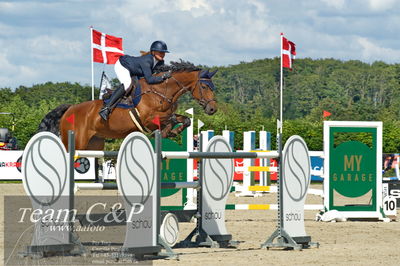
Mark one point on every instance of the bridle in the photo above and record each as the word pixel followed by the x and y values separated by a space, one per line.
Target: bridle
pixel 183 89
pixel 202 101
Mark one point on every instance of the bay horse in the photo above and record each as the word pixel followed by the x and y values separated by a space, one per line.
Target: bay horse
pixel 157 100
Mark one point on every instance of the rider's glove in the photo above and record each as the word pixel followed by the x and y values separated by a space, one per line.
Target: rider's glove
pixel 167 75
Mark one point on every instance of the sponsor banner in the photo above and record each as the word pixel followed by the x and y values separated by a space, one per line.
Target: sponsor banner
pixel 238 173
pixel 85 168
pixel 10 166
pixel 392 189
pixel 317 165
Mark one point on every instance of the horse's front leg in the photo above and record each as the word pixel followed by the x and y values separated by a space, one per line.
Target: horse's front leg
pixel 166 130
pixel 178 119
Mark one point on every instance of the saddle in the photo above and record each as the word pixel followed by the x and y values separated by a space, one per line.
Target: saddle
pixel 129 100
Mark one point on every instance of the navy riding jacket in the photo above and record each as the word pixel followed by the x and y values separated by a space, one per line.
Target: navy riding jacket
pixel 141 66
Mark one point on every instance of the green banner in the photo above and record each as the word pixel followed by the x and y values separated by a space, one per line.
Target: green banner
pixel 353 169
pixel 352 164
pixel 173 170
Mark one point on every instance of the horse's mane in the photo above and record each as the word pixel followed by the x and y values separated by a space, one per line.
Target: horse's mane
pixel 176 67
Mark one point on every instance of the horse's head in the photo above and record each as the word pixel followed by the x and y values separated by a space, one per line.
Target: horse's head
pixel 189 77
pixel 203 91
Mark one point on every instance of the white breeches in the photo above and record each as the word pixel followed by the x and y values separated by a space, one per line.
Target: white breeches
pixel 123 75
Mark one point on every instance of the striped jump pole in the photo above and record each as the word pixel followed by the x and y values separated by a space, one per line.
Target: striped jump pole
pixel 268 207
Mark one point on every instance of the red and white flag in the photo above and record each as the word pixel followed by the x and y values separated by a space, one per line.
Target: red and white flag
pixel 288 52
pixel 106 48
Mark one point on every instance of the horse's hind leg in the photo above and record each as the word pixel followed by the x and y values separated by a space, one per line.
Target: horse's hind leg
pixel 82 139
pixel 96 143
pixel 64 138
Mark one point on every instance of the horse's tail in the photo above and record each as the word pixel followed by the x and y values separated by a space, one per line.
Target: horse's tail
pixel 51 122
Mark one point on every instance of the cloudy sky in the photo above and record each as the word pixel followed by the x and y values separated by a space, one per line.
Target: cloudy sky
pixel 49 40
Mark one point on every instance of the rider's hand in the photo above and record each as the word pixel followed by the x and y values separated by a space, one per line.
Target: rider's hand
pixel 167 75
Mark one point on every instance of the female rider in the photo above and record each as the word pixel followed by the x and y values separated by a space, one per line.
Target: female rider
pixel 130 66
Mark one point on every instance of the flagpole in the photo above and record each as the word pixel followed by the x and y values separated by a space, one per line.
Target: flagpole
pixel 282 237
pixel 281 90
pixel 91 50
pixel 279 234
pixel 280 172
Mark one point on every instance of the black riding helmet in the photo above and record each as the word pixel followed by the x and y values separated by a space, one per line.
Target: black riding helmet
pixel 159 46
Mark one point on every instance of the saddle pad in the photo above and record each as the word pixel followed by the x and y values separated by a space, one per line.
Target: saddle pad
pixel 131 101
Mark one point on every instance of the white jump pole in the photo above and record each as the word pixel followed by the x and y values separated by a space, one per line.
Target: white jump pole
pixel 249 139
pixel 190 193
pixel 219 155
pixel 230 138
pixel 96 154
pixel 207 135
pixel 264 145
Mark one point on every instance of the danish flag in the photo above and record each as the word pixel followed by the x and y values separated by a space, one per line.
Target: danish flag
pixel 106 48
pixel 288 52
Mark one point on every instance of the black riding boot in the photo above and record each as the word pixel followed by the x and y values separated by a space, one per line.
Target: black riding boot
pixel 107 109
